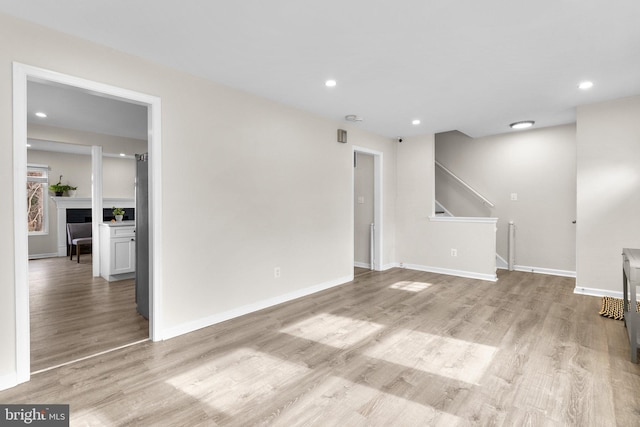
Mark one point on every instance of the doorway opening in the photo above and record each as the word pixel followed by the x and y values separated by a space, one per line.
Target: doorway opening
pixel 367 210
pixel 22 74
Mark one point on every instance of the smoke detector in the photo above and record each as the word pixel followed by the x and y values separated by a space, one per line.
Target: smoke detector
pixel 353 118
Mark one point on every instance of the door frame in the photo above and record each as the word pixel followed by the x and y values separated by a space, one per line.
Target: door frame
pixel 377 203
pixel 21 74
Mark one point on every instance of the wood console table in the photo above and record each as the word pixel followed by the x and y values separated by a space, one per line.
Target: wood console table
pixel 630 281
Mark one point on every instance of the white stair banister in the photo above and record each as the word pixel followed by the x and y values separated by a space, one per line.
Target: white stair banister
pixel 465 185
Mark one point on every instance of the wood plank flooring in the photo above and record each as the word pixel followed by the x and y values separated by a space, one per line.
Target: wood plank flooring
pixel 74 315
pixel 396 348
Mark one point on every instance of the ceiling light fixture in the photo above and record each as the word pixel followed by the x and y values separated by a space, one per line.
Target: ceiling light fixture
pixel 330 83
pixel 415 122
pixel 522 125
pixel 28 145
pixel 353 118
pixel 41 114
pixel 585 85
pixel 122 154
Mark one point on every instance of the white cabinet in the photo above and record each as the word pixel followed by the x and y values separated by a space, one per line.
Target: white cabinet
pixel 117 250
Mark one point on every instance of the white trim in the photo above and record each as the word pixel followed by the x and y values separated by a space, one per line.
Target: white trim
pixel 185 328
pixel 449 272
pixel 378 218
pixel 101 353
pixel 594 292
pixel 42 256
pixel 21 242
pixel 361 264
pixel 468 219
pixel 63 147
pixel 540 270
pixel 21 74
pixel 96 207
pixel 390 266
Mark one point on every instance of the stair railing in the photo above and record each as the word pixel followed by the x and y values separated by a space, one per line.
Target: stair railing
pixel 465 185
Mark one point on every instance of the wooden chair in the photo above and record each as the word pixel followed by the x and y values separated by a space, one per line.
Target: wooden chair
pixel 78 234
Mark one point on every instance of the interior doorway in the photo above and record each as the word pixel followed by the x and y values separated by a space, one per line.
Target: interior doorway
pixel 22 75
pixel 367 210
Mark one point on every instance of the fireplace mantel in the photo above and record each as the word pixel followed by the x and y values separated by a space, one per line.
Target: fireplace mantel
pixel 64 203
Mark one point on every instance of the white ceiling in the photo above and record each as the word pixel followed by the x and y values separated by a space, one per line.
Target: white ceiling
pixel 467 65
pixel 68 107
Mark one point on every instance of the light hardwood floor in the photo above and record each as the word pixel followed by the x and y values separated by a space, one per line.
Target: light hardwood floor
pixel 397 348
pixel 74 315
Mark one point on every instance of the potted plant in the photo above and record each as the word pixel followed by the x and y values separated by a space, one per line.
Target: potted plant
pixel 59 188
pixel 118 213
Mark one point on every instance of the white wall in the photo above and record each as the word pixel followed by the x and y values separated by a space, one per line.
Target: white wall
pixel 248 185
pixel 424 243
pixel 363 208
pixel 540 167
pixel 608 196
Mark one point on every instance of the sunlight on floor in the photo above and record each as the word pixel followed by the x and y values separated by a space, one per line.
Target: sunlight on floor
pixel 448 357
pixel 329 329
pixel 248 374
pixel 338 401
pixel 411 286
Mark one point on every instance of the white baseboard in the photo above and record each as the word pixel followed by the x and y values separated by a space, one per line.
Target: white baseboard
pixel 594 292
pixel 361 264
pixel 458 273
pixel 390 266
pixel 250 308
pixel 8 381
pixel 551 271
pixel 40 256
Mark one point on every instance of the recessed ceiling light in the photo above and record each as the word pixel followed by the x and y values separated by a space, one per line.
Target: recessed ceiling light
pixel 522 125
pixel 41 114
pixel 585 85
pixel 28 145
pixel 415 122
pixel 330 83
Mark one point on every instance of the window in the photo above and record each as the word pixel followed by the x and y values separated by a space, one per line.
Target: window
pixel 37 206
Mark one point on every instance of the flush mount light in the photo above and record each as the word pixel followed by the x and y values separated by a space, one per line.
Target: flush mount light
pixel 353 118
pixel 330 83
pixel 122 154
pixel 415 122
pixel 41 114
pixel 522 125
pixel 585 85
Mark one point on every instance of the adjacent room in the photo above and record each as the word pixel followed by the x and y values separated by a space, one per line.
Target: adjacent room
pixel 332 214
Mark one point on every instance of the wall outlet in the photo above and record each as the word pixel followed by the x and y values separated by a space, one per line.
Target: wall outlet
pixel 276 272
pixel 454 252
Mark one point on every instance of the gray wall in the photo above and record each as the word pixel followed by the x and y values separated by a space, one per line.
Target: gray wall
pixel 540 167
pixel 608 191
pixel 363 212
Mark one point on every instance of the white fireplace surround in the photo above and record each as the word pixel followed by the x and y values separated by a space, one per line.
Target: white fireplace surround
pixel 64 203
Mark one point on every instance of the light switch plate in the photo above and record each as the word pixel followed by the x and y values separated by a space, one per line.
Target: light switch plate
pixel 361 200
